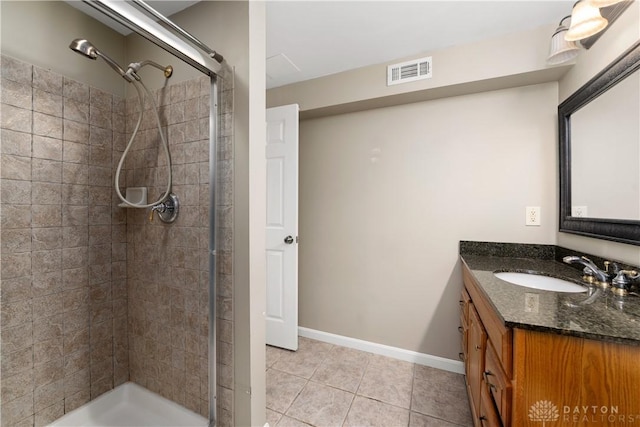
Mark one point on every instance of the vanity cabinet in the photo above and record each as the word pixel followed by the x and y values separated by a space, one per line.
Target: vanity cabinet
pixel 522 377
pixel 488 385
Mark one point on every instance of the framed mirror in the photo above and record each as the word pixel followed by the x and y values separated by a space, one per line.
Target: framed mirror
pixel 599 129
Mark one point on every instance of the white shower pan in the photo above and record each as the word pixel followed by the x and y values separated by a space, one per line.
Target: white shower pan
pixel 130 405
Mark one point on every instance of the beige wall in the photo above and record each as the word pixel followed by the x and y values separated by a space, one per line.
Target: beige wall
pixel 386 194
pixel 39 32
pixel 619 37
pixel 497 63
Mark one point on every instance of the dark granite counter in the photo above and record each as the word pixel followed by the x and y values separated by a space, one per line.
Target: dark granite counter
pixel 597 314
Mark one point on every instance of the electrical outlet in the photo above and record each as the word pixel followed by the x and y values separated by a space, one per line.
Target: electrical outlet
pixel 578 211
pixel 532 215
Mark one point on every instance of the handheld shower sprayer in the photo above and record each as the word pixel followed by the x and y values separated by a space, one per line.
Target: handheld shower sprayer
pixel 87 49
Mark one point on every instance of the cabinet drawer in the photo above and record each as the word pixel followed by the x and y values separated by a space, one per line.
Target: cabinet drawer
pixel 488 415
pixel 499 334
pixel 498 384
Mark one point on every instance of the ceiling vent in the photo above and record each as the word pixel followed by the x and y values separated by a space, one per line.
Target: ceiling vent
pixel 410 71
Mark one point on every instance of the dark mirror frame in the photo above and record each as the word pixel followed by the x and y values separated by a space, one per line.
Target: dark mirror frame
pixel 625 231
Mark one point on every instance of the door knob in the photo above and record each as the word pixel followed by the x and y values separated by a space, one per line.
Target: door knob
pixel 288 240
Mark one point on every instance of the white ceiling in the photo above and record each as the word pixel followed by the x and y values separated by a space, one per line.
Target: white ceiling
pixel 327 37
pixel 309 39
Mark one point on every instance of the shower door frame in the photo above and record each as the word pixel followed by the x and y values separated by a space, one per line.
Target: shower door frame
pixel 213 146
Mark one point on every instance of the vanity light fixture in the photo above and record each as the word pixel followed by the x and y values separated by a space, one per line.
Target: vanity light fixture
pixel 562 50
pixel 585 21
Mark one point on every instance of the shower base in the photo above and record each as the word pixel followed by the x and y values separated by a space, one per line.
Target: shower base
pixel 130 405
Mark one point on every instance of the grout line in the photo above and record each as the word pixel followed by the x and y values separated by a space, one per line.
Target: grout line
pixel 413 383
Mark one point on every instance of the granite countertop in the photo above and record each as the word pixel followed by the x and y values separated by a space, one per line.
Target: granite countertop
pixel 597 314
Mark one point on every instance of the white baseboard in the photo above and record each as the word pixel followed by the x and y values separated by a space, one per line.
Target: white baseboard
pixel 384 350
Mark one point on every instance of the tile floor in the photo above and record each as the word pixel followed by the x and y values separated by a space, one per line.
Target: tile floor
pixel 327 385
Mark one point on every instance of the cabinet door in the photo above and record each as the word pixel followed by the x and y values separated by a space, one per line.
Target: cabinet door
pixel 488 416
pixel 498 384
pixel 477 342
pixel 464 329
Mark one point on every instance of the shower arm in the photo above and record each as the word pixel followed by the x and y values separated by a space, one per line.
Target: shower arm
pixel 135 66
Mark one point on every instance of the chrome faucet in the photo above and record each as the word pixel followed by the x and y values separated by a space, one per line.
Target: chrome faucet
pixel 602 277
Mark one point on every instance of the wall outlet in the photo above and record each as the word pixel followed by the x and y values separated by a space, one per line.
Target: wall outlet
pixel 578 211
pixel 532 216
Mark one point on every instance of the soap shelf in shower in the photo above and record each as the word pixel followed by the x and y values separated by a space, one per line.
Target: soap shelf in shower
pixel 135 195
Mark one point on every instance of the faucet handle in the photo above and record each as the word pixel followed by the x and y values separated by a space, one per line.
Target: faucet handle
pixel 622 282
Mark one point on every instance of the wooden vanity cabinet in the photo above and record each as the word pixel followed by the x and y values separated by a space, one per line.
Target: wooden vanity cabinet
pixel 488 357
pixel 512 373
pixel 476 344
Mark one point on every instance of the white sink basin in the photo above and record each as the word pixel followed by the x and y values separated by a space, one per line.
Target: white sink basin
pixel 536 281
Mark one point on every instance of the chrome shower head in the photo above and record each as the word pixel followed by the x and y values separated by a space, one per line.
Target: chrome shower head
pixel 84 47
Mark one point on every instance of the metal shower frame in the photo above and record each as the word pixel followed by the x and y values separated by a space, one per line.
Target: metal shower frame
pixel 104 8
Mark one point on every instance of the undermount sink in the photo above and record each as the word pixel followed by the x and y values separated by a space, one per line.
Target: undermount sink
pixel 537 281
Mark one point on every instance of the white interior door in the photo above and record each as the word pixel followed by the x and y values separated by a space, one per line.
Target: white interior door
pixel 282 226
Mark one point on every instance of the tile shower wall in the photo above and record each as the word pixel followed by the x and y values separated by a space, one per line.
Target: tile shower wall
pixel 64 288
pixel 67 331
pixel 168 264
pixel 224 245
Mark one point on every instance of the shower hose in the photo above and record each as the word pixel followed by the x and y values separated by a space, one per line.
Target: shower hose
pixel 165 145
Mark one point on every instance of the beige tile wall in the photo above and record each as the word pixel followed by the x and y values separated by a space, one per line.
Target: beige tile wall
pixel 92 294
pixel 224 245
pixel 63 292
pixel 168 264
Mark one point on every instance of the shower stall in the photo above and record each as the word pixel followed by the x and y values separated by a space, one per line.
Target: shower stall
pixel 115 209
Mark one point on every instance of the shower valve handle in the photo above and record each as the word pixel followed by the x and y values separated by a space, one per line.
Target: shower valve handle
pixel 160 207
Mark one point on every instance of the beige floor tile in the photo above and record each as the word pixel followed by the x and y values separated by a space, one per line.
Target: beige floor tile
pixel 383 362
pixel 372 413
pixel 419 420
pixel 274 354
pixel 282 389
pixel 349 354
pixel 273 417
pixel 320 405
pixel 441 394
pixel 388 389
pixel 291 422
pixel 305 360
pixel 343 368
pixel 307 344
pixel 388 380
